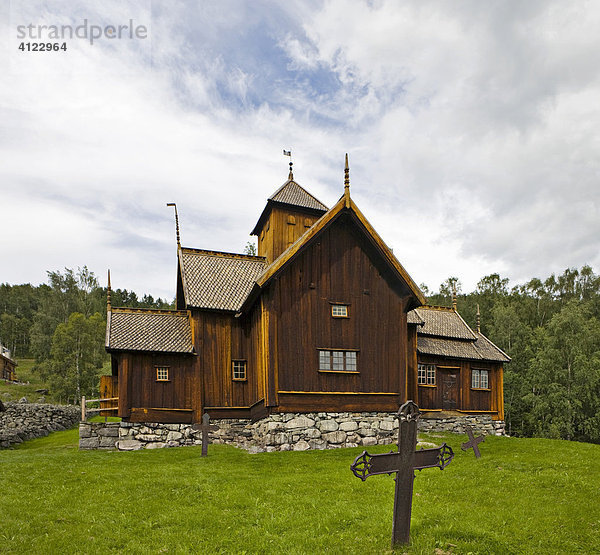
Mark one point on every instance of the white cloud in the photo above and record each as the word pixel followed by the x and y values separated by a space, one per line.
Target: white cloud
pixel 472 130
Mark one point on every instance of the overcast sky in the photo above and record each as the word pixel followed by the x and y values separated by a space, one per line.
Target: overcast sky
pixel 472 127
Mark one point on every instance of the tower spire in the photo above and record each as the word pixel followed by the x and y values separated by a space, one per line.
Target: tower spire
pixel 176 222
pixel 454 297
pixel 289 153
pixel 108 291
pixel 478 320
pixel 347 182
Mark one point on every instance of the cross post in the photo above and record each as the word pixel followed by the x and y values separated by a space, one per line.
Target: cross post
pixel 403 463
pixel 205 427
pixel 473 442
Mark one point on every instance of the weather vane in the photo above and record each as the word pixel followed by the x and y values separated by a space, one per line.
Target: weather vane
pixel 289 153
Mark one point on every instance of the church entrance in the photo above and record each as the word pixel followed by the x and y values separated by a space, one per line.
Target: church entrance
pixel 449 381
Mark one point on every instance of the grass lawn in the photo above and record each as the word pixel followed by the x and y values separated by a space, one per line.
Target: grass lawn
pixel 522 496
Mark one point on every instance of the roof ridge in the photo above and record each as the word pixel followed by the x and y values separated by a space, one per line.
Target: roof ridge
pixel 222 254
pixel 437 307
pixel 489 341
pixel 140 310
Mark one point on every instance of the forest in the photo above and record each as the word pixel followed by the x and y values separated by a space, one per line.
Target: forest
pixel 549 327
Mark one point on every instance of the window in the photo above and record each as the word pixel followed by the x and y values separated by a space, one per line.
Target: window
pixel 426 374
pixel 480 379
pixel 239 370
pixel 338 361
pixel 339 310
pixel 162 373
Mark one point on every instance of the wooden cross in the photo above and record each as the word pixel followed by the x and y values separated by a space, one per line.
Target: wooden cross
pixel 404 462
pixel 205 427
pixel 473 442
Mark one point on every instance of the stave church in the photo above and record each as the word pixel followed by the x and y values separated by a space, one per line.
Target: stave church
pixel 324 319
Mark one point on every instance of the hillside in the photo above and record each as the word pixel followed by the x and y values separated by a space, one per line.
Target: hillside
pixel 522 496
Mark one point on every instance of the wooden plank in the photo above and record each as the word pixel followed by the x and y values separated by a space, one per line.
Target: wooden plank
pixel 164 416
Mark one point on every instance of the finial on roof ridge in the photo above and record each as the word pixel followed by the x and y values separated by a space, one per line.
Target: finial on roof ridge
pixel 289 153
pixel 176 222
pixel 347 181
pixel 108 290
pixel 478 319
pixel 454 303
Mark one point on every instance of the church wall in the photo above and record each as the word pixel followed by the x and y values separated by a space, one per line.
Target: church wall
pixel 468 399
pixel 338 268
pixel 142 396
pixel 220 339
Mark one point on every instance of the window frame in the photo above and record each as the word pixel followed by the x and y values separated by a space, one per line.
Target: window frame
pixel 336 306
pixel 327 361
pixel 159 370
pixel 239 361
pixel 476 379
pixel 428 372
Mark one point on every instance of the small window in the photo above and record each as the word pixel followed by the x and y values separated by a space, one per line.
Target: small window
pixel 339 310
pixel 480 379
pixel 162 373
pixel 426 374
pixel 338 361
pixel 239 370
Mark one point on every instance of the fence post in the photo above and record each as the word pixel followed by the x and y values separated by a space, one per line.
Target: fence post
pixel 83 408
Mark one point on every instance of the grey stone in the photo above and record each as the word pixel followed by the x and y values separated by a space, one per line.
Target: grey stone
pixel 328 425
pixel 107 441
pixel 299 422
pixel 369 441
pixel 349 426
pixel 89 443
pixel 174 436
pixel 386 425
pixel 335 437
pixel 128 445
pixel 301 446
pixel 109 432
pixel 156 445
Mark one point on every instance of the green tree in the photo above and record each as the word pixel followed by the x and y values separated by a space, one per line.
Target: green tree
pixel 76 354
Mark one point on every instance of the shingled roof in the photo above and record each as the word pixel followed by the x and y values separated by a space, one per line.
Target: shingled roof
pixel 443 332
pixel 291 194
pixel 150 330
pixel 217 280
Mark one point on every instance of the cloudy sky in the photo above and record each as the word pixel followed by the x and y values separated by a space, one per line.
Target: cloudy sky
pixel 472 127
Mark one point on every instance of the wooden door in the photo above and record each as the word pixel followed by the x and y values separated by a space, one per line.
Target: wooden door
pixel 449 379
pixel 109 389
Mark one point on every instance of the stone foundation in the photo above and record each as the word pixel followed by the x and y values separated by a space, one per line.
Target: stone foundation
pixel 277 432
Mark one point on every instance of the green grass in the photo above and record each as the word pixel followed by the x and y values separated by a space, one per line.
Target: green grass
pixel 522 496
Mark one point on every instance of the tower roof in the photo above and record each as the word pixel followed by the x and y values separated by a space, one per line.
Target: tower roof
pixel 290 194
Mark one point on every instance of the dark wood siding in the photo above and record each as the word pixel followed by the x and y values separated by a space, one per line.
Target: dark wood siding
pixel 220 338
pixel 339 267
pixel 138 387
pixel 469 400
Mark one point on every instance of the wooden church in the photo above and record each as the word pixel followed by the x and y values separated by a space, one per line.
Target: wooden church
pixel 324 319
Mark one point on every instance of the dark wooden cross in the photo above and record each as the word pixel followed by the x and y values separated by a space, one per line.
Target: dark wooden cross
pixel 473 442
pixel 205 427
pixel 404 462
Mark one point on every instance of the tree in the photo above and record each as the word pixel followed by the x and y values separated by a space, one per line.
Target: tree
pixel 76 354
pixel 250 248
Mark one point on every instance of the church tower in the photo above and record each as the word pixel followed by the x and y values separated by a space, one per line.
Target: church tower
pixel 289 212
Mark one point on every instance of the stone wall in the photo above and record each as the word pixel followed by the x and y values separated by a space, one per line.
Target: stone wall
pixel 277 432
pixel 22 421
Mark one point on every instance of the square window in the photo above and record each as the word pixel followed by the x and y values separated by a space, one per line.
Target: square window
pixel 338 361
pixel 339 310
pixel 239 370
pixel 162 373
pixel 483 379
pixel 426 374
pixel 475 383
